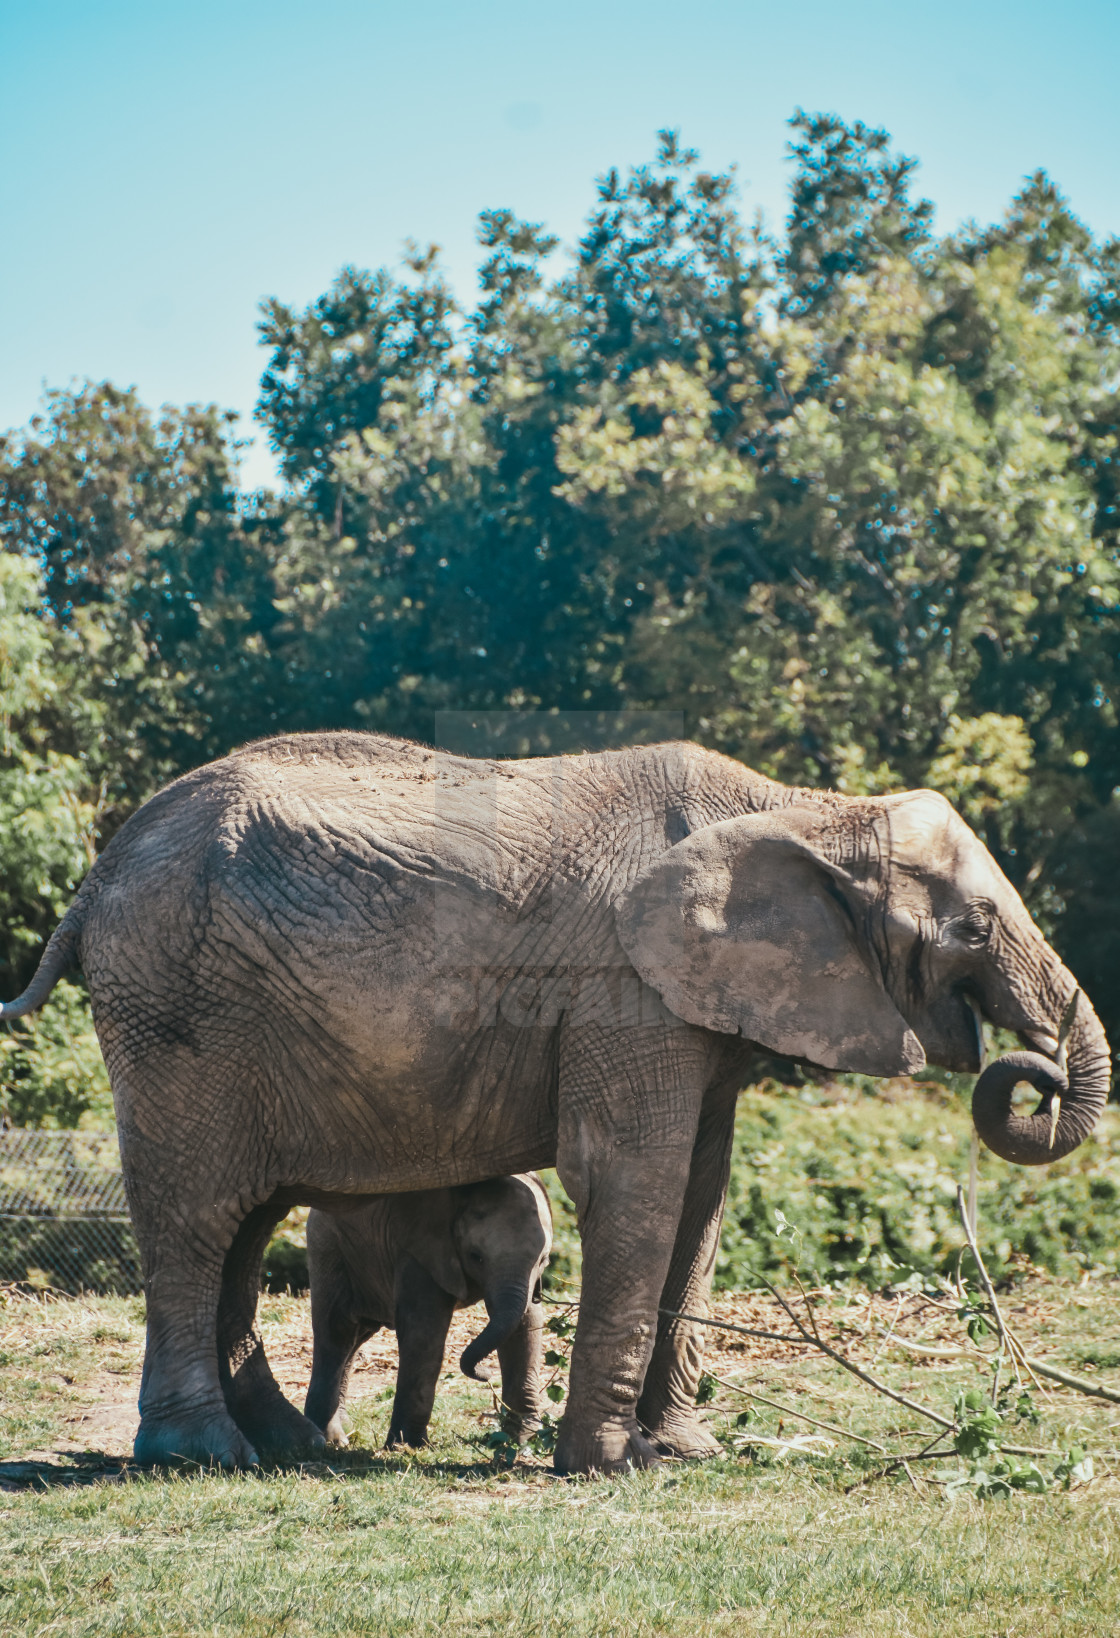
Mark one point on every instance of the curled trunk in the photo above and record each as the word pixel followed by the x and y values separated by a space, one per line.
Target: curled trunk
pixel 506 1309
pixel 1072 1098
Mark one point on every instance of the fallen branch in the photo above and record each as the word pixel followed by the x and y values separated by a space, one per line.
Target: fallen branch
pixel 1077 1382
pixel 925 1454
pixel 1014 1346
pixel 945 1426
pixel 743 1330
pixel 819 1342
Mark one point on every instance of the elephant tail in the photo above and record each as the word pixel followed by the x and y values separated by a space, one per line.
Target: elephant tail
pixel 60 955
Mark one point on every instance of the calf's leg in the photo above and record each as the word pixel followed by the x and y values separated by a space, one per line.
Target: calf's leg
pixel 422 1320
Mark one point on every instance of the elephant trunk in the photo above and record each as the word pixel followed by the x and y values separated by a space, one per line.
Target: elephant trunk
pixel 1072 1098
pixel 506 1309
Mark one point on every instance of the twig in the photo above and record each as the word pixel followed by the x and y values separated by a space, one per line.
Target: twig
pixel 973 1177
pixel 743 1330
pixel 927 1453
pixel 914 1483
pixel 808 1308
pixel 878 1354
pixel 974 1145
pixel 817 1342
pixel 1032 1450
pixel 951 1350
pixel 786 1411
pixel 1005 1338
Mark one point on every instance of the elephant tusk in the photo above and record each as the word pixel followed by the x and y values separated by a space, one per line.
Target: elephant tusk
pixel 978 1023
pixel 1063 1031
pixel 1055 1111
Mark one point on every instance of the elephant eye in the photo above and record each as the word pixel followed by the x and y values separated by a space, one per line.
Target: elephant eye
pixel 975 926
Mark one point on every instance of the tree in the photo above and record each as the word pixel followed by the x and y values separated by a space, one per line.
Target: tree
pixel 50 1069
pixel 847 501
pixel 158 583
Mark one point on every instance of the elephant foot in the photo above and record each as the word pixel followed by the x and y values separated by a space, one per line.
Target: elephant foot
pixel 336 1433
pixel 682 1433
pixel 520 1428
pixel 400 1438
pixel 212 1440
pixel 278 1430
pixel 609 1448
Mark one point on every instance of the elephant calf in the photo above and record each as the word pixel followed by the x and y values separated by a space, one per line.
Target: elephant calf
pixel 408 1261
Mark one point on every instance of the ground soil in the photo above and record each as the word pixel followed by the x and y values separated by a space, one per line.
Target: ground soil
pixel 107 1418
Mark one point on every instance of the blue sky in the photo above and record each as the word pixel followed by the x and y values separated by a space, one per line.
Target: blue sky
pixel 166 164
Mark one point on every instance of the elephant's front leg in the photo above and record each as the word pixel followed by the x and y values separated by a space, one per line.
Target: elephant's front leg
pixel 667 1408
pixel 422 1321
pixel 252 1393
pixel 629 1108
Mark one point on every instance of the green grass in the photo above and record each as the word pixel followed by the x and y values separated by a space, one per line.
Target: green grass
pixel 429 1550
pixel 447 1541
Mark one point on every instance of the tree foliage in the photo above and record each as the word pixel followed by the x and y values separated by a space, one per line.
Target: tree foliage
pixel 847 499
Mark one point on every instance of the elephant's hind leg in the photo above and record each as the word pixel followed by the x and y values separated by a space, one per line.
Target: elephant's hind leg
pixel 183 1412
pixel 264 1415
pixel 337 1342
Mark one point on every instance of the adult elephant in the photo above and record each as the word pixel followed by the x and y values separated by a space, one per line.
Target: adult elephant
pixel 334 965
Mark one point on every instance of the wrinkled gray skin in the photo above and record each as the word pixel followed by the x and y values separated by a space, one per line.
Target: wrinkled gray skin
pixel 408 1261
pixel 332 966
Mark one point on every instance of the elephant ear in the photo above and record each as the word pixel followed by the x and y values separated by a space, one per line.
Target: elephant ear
pixel 746 927
pixel 427 1223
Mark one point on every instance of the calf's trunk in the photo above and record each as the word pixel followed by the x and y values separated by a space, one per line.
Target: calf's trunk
pixel 505 1308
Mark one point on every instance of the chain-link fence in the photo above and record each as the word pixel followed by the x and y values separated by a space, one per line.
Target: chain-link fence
pixel 63 1214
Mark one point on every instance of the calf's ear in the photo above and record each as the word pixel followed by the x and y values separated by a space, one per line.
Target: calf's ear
pixel 748 927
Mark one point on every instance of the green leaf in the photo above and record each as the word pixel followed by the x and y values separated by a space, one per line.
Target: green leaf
pixel 706 1389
